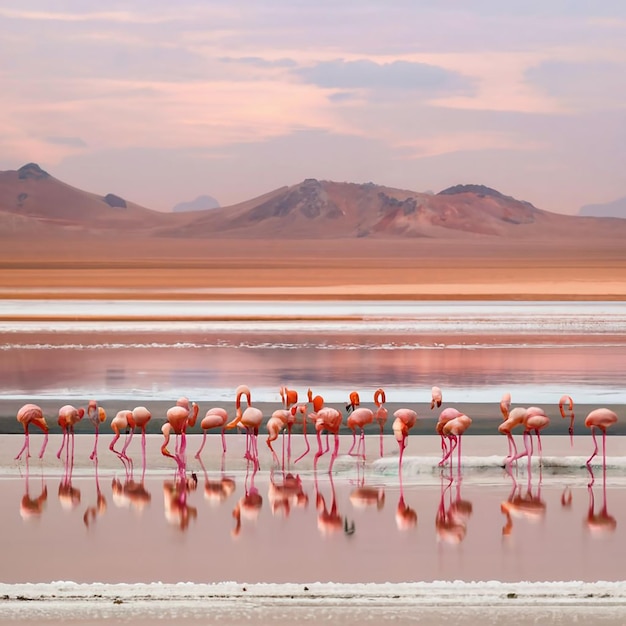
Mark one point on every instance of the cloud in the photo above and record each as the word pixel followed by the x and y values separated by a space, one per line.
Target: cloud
pixel 73 142
pixel 586 85
pixel 396 75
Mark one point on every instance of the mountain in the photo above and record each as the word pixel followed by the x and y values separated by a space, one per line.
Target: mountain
pixel 616 208
pixel 201 203
pixel 31 199
pixel 35 204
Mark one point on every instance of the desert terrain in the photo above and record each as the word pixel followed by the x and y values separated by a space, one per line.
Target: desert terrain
pixel 303 269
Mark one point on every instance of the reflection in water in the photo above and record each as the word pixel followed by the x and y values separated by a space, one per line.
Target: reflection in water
pixel 285 495
pixel 452 513
pixel 365 496
pixel 217 490
pixel 602 522
pixel 31 507
pixel 69 496
pixel 406 517
pixel 329 521
pixel 100 507
pixel 529 506
pixel 250 503
pixel 178 511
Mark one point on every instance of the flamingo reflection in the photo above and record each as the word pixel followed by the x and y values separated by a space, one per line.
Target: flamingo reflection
pixel 286 494
pixel 329 520
pixel 528 506
pixel 452 514
pixel 406 517
pixel 366 496
pixel 95 511
pixel 217 490
pixel 601 522
pixel 32 507
pixel 249 505
pixel 178 511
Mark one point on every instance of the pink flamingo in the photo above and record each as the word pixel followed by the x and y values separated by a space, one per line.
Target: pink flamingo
pixel 27 415
pixel 97 415
pixel 280 420
pixel 436 398
pixel 445 416
pixel 179 418
pixel 381 413
pixel 514 418
pixel 454 430
pixel 404 421
pixel 140 418
pixel 215 417
pixel 69 416
pixel 289 397
pixel 251 419
pixel 599 419
pixel 318 403
pixel 358 418
pixel 327 419
pixel 567 404
pixel 123 421
pixel 535 420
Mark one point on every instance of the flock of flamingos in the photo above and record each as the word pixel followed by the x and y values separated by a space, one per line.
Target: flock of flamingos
pixel 451 426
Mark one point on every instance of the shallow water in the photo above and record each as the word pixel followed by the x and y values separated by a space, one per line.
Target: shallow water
pixel 474 351
pixel 106 528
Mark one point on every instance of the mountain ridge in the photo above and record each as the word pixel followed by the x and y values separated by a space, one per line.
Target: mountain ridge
pixel 34 203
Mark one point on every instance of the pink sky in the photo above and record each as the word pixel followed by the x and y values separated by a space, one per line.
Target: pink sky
pixel 161 102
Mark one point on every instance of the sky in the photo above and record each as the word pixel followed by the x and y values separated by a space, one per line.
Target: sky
pixel 160 102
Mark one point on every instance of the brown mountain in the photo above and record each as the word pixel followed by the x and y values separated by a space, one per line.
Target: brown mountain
pixel 34 203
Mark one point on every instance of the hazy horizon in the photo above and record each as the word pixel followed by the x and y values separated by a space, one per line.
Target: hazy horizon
pixel 160 104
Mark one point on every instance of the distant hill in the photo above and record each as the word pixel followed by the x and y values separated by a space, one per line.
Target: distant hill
pixel 35 204
pixel 201 203
pixel 616 208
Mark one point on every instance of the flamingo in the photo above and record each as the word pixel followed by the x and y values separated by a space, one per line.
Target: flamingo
pixel 280 420
pixel 454 430
pixel 404 420
pixel 599 419
pixel 251 419
pixel 358 418
pixel 289 397
pixel 514 418
pixel 122 421
pixel 535 420
pixel 140 418
pixel 567 404
pixel 275 425
pixel 215 417
pixel 381 413
pixel 436 398
pixel 179 417
pixel 97 415
pixel 318 403
pixel 27 415
pixel 327 419
pixel 69 416
pixel 445 416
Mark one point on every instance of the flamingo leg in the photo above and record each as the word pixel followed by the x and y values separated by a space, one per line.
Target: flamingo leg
pixel 306 441
pixel 25 447
pixel 595 445
pixel 63 440
pixel 224 440
pixel 197 456
pixel 381 441
pixel 334 454
pixel 94 453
